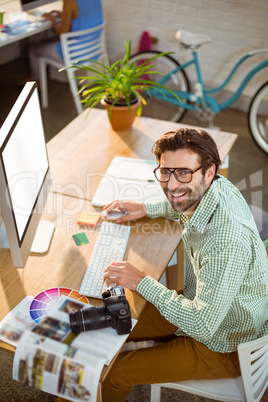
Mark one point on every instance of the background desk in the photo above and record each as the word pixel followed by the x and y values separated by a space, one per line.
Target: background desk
pixel 12 10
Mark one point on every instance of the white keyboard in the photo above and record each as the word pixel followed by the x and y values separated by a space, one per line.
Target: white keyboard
pixel 110 246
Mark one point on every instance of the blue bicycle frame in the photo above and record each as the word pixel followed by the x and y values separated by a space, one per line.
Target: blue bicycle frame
pixel 209 101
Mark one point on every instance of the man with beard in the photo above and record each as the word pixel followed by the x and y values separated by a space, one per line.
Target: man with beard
pixel 224 301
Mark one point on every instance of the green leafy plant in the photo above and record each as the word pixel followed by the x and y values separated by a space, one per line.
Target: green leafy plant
pixel 119 83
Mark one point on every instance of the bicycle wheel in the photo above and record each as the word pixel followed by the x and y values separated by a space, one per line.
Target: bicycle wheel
pixel 258 117
pixel 158 108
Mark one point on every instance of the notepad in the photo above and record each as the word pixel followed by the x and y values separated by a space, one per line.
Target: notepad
pixel 80 239
pixel 88 218
pixel 128 179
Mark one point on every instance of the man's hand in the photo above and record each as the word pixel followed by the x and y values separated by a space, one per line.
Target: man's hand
pixel 123 273
pixel 135 210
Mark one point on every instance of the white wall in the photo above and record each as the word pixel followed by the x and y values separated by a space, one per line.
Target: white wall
pixel 235 27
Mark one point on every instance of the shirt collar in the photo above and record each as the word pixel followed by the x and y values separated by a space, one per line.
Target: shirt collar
pixel 205 209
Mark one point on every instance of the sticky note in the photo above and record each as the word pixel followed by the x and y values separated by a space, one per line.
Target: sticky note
pixel 88 218
pixel 80 239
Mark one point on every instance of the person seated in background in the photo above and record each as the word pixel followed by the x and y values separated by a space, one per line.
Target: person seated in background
pixel 75 16
pixel 225 297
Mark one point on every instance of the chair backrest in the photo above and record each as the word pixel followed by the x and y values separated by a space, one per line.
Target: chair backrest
pixel 85 44
pixel 82 45
pixel 253 358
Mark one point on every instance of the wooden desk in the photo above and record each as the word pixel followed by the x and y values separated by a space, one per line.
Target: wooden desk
pixel 65 263
pixel 12 12
pixel 88 145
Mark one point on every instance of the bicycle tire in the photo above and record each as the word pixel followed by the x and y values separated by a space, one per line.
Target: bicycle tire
pixel 158 108
pixel 258 117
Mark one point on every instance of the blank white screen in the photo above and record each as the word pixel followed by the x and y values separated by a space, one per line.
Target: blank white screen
pixel 26 163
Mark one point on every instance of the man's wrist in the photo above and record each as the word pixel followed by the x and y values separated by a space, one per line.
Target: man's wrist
pixel 142 284
pixel 149 208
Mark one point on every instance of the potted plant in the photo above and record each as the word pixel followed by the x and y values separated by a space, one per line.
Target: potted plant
pixel 119 87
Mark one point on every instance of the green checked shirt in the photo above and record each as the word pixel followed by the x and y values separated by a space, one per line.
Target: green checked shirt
pixel 225 298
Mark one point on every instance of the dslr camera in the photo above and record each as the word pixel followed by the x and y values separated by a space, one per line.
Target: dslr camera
pixel 115 313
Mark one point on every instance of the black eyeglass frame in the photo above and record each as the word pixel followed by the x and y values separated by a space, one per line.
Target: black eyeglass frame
pixel 172 170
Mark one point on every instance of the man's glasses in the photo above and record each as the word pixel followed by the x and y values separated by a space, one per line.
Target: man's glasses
pixel 183 175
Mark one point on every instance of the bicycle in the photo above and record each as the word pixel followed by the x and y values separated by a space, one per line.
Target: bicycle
pixel 164 105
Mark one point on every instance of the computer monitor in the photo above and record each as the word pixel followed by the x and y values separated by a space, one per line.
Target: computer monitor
pixel 24 179
pixel 27 5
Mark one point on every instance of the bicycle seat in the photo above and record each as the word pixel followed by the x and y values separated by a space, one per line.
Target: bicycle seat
pixel 192 39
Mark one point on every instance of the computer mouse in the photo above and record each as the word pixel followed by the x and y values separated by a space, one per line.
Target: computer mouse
pixel 114 214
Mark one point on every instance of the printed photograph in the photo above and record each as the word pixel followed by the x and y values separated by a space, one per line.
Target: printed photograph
pixel 70 381
pixel 69 306
pixel 54 329
pixel 10 333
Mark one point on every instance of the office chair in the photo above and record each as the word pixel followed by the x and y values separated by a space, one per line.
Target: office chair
pixel 79 45
pixel 250 387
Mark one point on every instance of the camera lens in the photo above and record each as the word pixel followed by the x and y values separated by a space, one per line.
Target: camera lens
pixel 89 318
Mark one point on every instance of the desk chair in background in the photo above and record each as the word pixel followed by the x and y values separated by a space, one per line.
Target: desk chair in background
pixel 79 45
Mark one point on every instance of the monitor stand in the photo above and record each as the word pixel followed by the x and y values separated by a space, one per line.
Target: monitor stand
pixel 42 239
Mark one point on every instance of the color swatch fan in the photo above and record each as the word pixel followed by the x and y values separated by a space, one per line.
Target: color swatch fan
pixel 42 302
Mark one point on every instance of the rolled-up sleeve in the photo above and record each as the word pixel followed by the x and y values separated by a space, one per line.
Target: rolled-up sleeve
pixel 159 209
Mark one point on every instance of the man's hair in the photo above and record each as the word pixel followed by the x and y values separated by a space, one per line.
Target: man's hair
pixel 197 141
